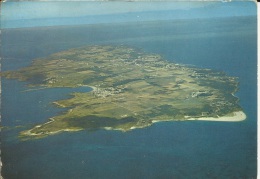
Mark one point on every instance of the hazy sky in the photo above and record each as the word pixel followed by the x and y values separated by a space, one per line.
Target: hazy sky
pixel 29 10
pixel 41 10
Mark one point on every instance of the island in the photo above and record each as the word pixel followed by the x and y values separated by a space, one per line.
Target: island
pixel 130 89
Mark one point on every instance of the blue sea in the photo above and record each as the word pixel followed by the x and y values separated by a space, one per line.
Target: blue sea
pixel 192 149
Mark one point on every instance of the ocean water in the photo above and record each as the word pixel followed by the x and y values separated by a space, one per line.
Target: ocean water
pixel 192 149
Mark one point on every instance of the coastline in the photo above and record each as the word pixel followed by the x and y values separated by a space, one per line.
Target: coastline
pixel 236 117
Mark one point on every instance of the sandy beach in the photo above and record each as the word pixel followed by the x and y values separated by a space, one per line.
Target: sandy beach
pixel 233 117
pixel 236 117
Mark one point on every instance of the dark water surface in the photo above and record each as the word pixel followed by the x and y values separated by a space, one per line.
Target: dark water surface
pixel 192 149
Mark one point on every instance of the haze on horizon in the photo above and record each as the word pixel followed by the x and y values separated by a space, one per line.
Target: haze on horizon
pixel 33 14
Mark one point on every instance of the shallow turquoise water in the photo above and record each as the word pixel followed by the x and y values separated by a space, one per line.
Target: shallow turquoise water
pixel 196 149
